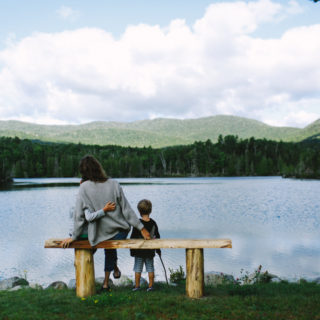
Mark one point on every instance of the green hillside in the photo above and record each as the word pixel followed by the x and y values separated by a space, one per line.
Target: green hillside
pixel 158 132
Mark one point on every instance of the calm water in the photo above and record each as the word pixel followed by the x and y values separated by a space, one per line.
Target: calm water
pixel 271 221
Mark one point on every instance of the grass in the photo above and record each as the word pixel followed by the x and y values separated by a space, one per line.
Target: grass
pixel 259 301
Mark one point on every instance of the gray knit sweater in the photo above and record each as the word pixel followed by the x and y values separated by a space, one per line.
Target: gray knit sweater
pixel 94 196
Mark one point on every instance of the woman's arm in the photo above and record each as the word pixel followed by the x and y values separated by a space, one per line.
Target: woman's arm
pixel 130 215
pixel 79 220
pixel 127 211
pixel 157 234
pixel 76 213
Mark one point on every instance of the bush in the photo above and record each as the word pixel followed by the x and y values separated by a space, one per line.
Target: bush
pixel 177 276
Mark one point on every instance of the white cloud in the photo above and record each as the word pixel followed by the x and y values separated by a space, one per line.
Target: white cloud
pixel 67 13
pixel 217 66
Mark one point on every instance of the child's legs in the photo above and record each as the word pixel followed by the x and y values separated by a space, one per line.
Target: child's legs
pixel 150 270
pixel 137 277
pixel 138 265
pixel 151 279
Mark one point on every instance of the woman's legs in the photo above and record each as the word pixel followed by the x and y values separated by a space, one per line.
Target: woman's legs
pixel 110 262
pixel 111 258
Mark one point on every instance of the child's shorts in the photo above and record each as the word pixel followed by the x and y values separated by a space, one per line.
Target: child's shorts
pixel 139 262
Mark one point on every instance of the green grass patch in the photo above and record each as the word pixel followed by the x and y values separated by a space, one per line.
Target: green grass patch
pixel 259 301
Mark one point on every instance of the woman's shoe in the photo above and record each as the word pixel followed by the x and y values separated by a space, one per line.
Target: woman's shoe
pixel 117 275
pixel 104 289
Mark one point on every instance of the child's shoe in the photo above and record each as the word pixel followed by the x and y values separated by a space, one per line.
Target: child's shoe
pixel 150 289
pixel 136 289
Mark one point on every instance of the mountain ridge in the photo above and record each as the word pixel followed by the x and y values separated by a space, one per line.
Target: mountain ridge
pixel 159 132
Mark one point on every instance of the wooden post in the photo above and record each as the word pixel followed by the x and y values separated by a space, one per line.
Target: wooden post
pixel 195 273
pixel 85 280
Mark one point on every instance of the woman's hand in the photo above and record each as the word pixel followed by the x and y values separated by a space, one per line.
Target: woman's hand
pixel 66 242
pixel 110 206
pixel 145 233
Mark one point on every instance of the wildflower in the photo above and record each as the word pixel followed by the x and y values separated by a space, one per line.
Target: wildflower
pixel 110 294
pixel 96 301
pixel 83 299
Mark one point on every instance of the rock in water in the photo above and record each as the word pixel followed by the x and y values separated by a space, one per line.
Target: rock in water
pixel 275 279
pixel 35 286
pixel 16 288
pixel 214 278
pixel 59 285
pixel 72 284
pixel 124 281
pixel 13 282
pixel 143 282
pixel 99 281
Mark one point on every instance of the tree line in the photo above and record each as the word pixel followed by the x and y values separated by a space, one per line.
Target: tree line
pixel 230 156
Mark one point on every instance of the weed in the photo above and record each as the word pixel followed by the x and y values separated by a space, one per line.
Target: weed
pixel 177 276
pixel 256 277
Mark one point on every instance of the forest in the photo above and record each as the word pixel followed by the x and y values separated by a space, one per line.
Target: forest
pixel 230 156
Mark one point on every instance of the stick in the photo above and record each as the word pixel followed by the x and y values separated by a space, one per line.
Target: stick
pixel 165 272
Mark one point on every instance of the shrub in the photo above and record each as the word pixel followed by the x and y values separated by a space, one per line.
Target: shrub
pixel 177 276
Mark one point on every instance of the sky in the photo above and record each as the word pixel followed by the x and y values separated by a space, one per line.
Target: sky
pixel 71 62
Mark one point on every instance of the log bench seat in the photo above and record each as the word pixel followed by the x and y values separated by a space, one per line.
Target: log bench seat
pixel 84 265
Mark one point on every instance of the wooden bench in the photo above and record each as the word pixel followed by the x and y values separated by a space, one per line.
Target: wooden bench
pixel 84 265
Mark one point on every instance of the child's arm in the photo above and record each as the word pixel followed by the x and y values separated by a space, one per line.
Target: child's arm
pixel 92 216
pixel 157 234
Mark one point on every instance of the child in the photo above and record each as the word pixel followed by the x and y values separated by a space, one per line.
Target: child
pixel 144 256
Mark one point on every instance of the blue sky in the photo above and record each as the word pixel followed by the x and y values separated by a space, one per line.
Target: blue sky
pixel 22 18
pixel 182 59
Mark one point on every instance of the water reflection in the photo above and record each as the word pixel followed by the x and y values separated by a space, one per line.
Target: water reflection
pixel 271 221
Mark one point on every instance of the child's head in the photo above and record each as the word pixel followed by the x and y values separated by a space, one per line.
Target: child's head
pixel 144 207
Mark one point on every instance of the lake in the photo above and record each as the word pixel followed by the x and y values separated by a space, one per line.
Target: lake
pixel 271 221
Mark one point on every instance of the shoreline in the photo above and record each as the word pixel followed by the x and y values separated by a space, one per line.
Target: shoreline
pixel 211 278
pixel 11 185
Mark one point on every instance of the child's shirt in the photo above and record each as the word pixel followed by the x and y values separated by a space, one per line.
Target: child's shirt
pixel 152 228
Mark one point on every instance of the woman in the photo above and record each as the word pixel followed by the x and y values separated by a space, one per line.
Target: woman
pixel 94 192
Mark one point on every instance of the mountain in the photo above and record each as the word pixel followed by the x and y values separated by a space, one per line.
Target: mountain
pixel 158 132
pixel 312 131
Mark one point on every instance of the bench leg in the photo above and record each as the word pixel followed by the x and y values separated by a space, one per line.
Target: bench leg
pixel 195 273
pixel 85 280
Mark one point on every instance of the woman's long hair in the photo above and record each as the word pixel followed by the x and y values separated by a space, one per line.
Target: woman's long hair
pixel 91 169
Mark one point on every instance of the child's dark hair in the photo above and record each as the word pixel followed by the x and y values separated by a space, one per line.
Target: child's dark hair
pixel 144 207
